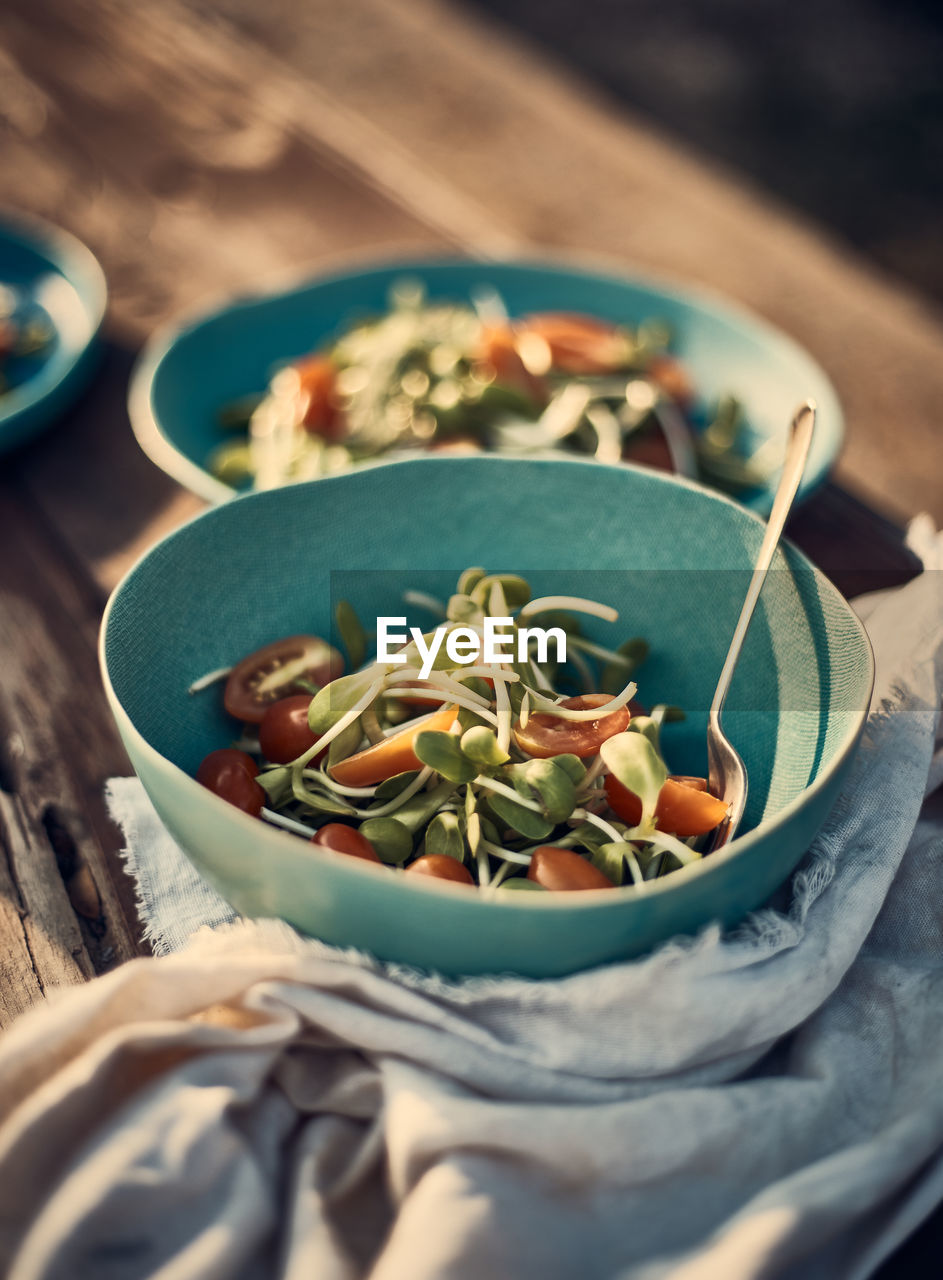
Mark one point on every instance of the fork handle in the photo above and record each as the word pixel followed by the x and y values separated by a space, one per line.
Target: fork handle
pixel 797 451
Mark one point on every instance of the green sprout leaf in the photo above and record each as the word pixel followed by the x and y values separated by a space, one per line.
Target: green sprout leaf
pixel 418 809
pixel 480 745
pixel 441 751
pixel 352 634
pixel 572 766
pixel 276 783
pixel 390 788
pixel 521 884
pixel 319 801
pixel 531 825
pixel 551 786
pixel 345 744
pixel 634 762
pixel 469 580
pixel 462 608
pixel 444 835
pixel 337 698
pixel 391 839
pixel 610 859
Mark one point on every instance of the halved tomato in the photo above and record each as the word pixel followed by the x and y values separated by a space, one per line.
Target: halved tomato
pixel 498 351
pixel 580 344
pixel 685 806
pixel 321 414
pixel 546 735
pixel 273 672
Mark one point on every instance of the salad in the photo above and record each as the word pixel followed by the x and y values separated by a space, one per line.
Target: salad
pixel 524 774
pixel 465 377
pixel 26 333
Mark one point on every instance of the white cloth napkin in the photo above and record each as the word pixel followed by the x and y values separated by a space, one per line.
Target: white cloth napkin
pixel 764 1103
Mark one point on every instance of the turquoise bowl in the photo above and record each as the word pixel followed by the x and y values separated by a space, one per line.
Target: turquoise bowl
pixel 188 371
pixel 59 277
pixel 671 556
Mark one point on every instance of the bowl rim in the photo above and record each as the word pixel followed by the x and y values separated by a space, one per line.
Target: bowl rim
pixel 76 263
pixel 740 846
pixel 165 454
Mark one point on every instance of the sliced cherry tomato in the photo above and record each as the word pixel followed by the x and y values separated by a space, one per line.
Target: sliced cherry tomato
pixel 231 774
pixel 321 415
pixel 563 869
pixel 498 351
pixel 391 756
pixel 442 867
pixel 670 374
pixel 579 344
pixel 685 806
pixel 547 735
pixel 343 839
pixel 272 673
pixel 649 448
pixel 284 732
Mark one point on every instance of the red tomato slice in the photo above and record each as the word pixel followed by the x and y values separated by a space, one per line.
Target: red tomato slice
pixel 321 415
pixel 671 375
pixel 685 806
pixel 498 349
pixel 546 735
pixel 271 673
pixel 579 344
pixel 391 756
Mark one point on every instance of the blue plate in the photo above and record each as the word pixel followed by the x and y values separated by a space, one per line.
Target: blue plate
pixel 188 372
pixel 52 277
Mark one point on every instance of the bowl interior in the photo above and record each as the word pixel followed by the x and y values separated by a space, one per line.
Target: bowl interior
pixel 672 558
pixel 58 279
pixel 183 382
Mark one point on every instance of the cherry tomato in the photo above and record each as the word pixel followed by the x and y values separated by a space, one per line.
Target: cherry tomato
pixel 442 867
pixel 391 756
pixel 322 415
pixel 231 774
pixel 272 671
pixel 563 869
pixel 649 448
pixel 343 839
pixel 547 735
pixel 498 351
pixel 284 732
pixel 685 806
pixel 579 344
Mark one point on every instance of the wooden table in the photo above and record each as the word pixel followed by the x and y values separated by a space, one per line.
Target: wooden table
pixel 199 148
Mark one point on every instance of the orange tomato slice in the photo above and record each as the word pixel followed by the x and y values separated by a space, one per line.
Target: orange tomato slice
pixel 391 756
pixel 685 806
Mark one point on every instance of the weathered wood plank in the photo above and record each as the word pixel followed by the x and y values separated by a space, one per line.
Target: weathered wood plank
pixel 73 907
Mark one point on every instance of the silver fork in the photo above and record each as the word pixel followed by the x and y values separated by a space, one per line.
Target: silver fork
pixel 727 774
